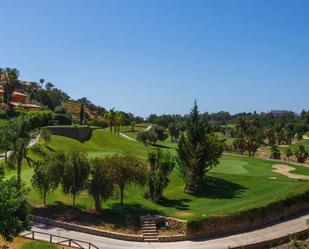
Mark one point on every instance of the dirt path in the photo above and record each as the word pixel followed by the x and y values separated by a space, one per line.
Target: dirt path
pixel 286 170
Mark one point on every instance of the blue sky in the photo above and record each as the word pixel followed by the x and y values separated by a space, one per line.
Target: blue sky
pixel 157 56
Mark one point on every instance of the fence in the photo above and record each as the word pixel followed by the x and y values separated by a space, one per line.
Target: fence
pixel 61 240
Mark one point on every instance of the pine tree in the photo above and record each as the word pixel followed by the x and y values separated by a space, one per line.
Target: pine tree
pixel 198 151
pixel 82 114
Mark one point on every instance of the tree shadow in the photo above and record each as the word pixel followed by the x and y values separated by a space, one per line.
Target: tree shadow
pixel 126 217
pixel 179 204
pixel 218 188
pixel 160 146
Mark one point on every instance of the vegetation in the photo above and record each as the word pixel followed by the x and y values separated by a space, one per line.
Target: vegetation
pixel 198 151
pixel 14 209
pixel 100 187
pixel 124 170
pixel 301 154
pixel 161 166
pixel 76 169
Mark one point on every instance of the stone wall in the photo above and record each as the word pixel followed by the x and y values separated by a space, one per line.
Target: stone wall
pixel 88 230
pixel 81 133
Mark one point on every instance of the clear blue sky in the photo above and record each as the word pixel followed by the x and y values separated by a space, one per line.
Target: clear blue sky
pixel 157 56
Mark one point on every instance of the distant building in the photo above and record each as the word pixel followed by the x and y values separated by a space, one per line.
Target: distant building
pixel 279 113
pixel 20 99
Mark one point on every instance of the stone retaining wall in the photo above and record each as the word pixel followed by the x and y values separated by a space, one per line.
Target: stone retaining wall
pixel 88 230
pixel 81 134
pixel 252 219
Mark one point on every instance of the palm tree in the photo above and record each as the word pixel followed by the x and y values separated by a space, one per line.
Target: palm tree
pixel 21 143
pixel 119 119
pixel 9 81
pixel 110 117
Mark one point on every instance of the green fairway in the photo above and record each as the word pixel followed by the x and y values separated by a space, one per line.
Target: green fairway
pixel 237 183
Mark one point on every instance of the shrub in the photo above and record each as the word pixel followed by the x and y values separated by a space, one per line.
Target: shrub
pixel 63 119
pixel 301 154
pixel 275 152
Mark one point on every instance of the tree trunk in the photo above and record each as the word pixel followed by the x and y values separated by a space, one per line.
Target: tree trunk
pixel 98 204
pixel 44 198
pixel 19 161
pixel 74 197
pixel 121 196
pixel 6 156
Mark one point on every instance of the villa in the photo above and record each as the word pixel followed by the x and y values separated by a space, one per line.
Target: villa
pixel 20 100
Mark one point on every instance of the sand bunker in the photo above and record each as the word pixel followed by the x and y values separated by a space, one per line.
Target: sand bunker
pixel 285 170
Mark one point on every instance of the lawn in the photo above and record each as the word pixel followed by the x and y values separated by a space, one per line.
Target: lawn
pixel 237 183
pixel 22 243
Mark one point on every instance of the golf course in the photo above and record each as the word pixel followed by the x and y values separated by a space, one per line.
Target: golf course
pixel 238 183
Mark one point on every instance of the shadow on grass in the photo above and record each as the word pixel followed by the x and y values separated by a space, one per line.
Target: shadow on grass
pixel 160 146
pixel 218 188
pixel 175 203
pixel 126 217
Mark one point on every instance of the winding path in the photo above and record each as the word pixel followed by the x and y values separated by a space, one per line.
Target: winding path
pixel 132 139
pixel 298 224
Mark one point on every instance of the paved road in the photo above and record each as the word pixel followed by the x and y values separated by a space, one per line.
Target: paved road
pixel 268 233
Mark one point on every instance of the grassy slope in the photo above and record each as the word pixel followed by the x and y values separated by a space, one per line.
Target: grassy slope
pixel 238 182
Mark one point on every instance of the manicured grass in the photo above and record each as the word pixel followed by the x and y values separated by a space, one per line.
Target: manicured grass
pixel 22 243
pixel 237 183
pixel 39 245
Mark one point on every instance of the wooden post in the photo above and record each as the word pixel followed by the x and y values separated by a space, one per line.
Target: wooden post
pixel 51 238
pixel 69 242
pixel 33 235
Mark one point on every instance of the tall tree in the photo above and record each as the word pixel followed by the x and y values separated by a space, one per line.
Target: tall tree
pixel 198 151
pixel 82 113
pixel 9 81
pixel 100 186
pixel 110 116
pixel 76 170
pixel 22 137
pixel 174 131
pixel 124 170
pixel 47 174
pixel 119 120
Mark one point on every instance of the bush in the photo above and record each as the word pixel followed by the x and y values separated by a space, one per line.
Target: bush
pixel 301 154
pixel 63 119
pixel 275 152
pixel 98 122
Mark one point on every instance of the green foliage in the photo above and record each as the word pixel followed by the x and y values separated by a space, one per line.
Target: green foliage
pixel 100 186
pixel 76 169
pixel 47 174
pixel 46 135
pixel 288 152
pixel 161 166
pixel 14 209
pixel 301 154
pixel 275 152
pixel 124 170
pixel 9 81
pixel 160 130
pixel 63 119
pixel 174 131
pixel 198 151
